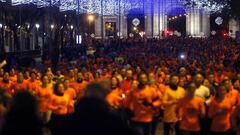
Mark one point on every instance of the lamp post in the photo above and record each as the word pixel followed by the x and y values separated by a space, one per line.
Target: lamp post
pixel 37 27
pixel 2 38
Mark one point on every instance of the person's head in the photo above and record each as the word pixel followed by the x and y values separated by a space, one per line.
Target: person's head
pixel 1 72
pixel 58 72
pixel 104 72
pixel 6 77
pixel 45 80
pixel 199 79
pixel 151 78
pixel 20 77
pixel 50 76
pixel 143 81
pixel 174 79
pixel 39 76
pixel 129 74
pixel 138 70
pixel 134 84
pixel 66 83
pixel 12 72
pixel 23 102
pixel 114 82
pixel 167 79
pixel 228 84
pixel 182 71
pixel 191 88
pixel 182 82
pixel 207 83
pixel 23 109
pixel 75 70
pixel 236 84
pixel 97 75
pixel 71 73
pixel 123 72
pixel 221 91
pixel 33 76
pixel 59 90
pixel 238 76
pixel 86 76
pixel 211 78
pixel 97 90
pixel 49 70
pixel 26 75
pixel 80 77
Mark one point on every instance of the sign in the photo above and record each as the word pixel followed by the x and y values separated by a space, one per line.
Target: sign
pixel 136 22
pixel 219 20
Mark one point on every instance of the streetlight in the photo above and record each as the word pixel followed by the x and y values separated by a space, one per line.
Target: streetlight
pixel 2 38
pixel 37 26
pixel 52 26
pixel 90 19
pixel 71 27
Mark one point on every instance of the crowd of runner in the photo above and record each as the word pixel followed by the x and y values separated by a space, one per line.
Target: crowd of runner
pixel 190 85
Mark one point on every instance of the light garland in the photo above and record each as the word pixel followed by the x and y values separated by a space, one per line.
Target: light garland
pixel 111 7
pixel 209 5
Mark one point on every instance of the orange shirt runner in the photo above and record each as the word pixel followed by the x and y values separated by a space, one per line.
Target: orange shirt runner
pixel 220 112
pixel 189 110
pixel 60 104
pixel 44 98
pixel 142 103
pixel 170 99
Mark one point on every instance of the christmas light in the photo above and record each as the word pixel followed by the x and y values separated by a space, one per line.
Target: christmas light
pixel 116 7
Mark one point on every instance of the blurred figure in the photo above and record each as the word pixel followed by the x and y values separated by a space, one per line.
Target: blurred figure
pixel 202 91
pixel 231 92
pixel 190 110
pixel 43 95
pixel 22 117
pixel 171 96
pixel 6 85
pixel 220 111
pixel 126 84
pixel 142 103
pixel 20 84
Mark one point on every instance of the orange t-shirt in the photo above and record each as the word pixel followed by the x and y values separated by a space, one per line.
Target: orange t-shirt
pixel 13 78
pixel 59 104
pixel 189 110
pixel 19 86
pixel 71 93
pixel 44 98
pixel 79 87
pixel 169 105
pixel 142 104
pixel 220 121
pixel 114 98
pixel 233 95
pixel 6 87
pixel 126 85
pixel 32 85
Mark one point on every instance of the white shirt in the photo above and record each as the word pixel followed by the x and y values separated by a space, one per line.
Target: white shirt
pixel 204 93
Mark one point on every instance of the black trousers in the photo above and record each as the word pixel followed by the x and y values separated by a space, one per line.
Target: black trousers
pixel 189 133
pixel 222 133
pixel 141 128
pixel 154 125
pixel 171 127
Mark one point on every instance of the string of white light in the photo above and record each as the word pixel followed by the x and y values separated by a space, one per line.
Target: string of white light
pixel 111 7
